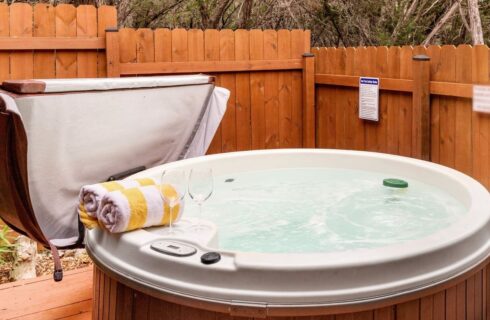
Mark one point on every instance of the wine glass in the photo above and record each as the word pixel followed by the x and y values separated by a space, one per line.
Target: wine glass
pixel 172 190
pixel 200 189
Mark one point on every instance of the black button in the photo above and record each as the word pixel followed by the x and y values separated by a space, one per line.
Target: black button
pixel 210 257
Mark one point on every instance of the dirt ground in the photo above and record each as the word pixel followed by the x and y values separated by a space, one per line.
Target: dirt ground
pixel 71 259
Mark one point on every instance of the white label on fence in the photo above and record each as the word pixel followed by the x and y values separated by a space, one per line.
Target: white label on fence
pixel 369 98
pixel 481 99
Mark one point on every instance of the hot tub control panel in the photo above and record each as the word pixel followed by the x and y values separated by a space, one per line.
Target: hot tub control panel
pixel 173 248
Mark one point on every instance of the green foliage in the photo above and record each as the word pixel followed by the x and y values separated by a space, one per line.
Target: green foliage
pixel 6 247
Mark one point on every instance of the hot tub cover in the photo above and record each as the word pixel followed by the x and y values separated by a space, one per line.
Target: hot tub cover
pixel 60 134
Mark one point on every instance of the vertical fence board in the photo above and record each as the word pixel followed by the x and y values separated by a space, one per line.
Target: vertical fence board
pixel 257 97
pixel 211 53
pixel 383 71
pixel 179 45
pixel 163 45
pixel 447 110
pixel 227 80
pixel 392 101
pixel 86 28
pixel 127 52
pixel 371 127
pixel 434 52
pixel 106 17
pixel 462 143
pixel 338 67
pixel 21 63
pixel 66 26
pixel 195 45
pixel 405 112
pixel 333 125
pixel 352 121
pixel 4 32
pixel 243 116
pixel 360 56
pixel 285 89
pixel 323 125
pixel 297 49
pixel 44 26
pixel 145 49
pixel 271 88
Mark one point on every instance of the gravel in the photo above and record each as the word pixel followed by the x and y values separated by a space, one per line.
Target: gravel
pixel 70 259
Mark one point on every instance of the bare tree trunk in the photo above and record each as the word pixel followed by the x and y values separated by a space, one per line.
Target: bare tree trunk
pixel 220 11
pixel 407 13
pixel 448 15
pixel 25 251
pixel 475 22
pixel 247 12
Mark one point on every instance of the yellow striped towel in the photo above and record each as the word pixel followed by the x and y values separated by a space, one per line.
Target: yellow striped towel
pixel 135 208
pixel 90 196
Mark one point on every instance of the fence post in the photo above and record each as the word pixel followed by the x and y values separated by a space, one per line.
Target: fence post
pixel 421 108
pixel 112 52
pixel 309 121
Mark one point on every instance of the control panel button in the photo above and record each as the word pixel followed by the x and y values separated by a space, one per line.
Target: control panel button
pixel 210 257
pixel 173 248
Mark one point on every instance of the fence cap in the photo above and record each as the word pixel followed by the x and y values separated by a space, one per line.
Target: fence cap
pixel 308 54
pixel 111 29
pixel 421 57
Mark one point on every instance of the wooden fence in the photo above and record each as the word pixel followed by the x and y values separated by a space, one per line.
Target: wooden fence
pixel 264 71
pixel 43 41
pixel 457 137
pixel 425 105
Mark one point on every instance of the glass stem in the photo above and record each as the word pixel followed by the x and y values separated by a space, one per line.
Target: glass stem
pixel 199 222
pixel 170 218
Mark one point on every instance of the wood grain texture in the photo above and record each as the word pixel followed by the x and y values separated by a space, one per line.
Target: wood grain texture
pixel 44 26
pixel 106 18
pixel 4 32
pixel 457 302
pixel 459 138
pixel 66 26
pixel 242 95
pixel 212 53
pixel 228 80
pixel 21 63
pixel 87 28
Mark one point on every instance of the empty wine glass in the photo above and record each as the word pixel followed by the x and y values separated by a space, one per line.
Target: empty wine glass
pixel 172 190
pixel 200 189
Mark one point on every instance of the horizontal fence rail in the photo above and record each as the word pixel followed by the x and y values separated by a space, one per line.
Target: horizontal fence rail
pixel 51 43
pixel 210 66
pixel 450 89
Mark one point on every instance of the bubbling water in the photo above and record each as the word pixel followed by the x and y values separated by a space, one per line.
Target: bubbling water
pixel 308 210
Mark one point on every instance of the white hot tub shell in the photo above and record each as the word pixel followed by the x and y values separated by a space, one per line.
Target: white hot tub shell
pixel 304 280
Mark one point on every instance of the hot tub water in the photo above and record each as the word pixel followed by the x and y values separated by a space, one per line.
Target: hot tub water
pixel 314 210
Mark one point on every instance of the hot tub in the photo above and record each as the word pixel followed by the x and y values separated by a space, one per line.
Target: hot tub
pixel 347 256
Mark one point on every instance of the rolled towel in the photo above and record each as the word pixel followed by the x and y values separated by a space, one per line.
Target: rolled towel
pixel 135 208
pixel 91 195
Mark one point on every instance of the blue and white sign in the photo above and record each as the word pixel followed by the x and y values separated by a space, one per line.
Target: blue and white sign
pixel 369 98
pixel 481 99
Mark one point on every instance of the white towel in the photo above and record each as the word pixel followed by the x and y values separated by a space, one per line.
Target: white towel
pixel 136 208
pixel 91 195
